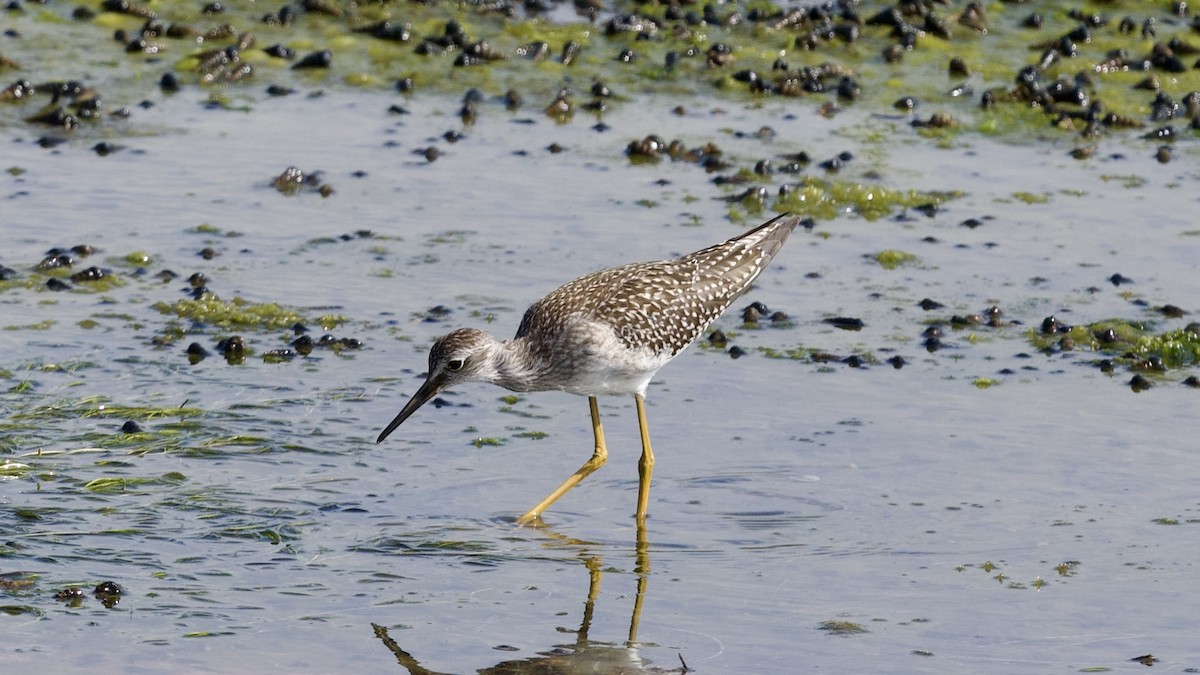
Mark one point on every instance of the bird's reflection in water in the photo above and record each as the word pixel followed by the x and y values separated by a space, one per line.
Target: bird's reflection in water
pixel 583 655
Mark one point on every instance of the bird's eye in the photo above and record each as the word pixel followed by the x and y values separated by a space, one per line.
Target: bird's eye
pixel 454 364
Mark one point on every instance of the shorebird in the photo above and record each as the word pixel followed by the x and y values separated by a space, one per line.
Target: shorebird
pixel 606 333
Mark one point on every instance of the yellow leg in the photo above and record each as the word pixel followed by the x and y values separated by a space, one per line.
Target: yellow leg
pixel 599 455
pixel 646 463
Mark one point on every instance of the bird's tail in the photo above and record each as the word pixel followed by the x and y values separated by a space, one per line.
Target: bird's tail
pixel 726 270
pixel 770 236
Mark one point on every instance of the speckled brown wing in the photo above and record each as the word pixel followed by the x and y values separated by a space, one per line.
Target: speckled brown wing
pixel 664 305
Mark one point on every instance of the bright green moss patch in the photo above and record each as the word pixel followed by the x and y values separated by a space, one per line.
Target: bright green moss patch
pixel 331 321
pixel 240 313
pixel 1176 348
pixel 825 199
pixel 1131 341
pixel 1031 198
pixel 534 435
pixel 137 259
pixel 794 354
pixel 890 259
pixel 206 228
pixel 1127 181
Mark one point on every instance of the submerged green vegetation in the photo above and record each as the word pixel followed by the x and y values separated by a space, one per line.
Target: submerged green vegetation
pixel 1134 343
pixel 842 628
pixel 890 259
pixel 828 199
pixel 240 314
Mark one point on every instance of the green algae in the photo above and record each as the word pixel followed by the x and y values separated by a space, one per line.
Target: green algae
pixel 212 230
pixel 126 484
pixel 137 259
pixel 791 354
pixel 1030 198
pixel 815 355
pixel 890 259
pixel 13 469
pixel 1131 341
pixel 240 313
pixel 829 199
pixel 100 407
pixel 1177 348
pixel 532 435
pixel 36 281
pixel 44 324
pixel 842 628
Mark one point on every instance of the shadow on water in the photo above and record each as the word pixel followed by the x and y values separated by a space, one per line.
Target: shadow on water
pixel 584 655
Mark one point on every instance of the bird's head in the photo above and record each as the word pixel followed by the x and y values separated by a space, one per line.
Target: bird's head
pixel 463 355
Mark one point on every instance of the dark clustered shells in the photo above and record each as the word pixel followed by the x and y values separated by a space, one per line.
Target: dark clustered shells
pixel 1139 383
pixel 90 274
pixel 73 594
pixel 845 323
pixel 280 52
pixel 196 352
pixel 436 313
pixel 319 59
pixel 303 345
pixel 108 588
pixel 929 305
pixel 294 181
pixel 753 312
pixel 233 344
pixel 1051 326
pixel 55 260
pixel 108 593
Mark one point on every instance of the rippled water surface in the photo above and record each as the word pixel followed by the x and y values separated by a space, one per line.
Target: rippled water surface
pixel 989 507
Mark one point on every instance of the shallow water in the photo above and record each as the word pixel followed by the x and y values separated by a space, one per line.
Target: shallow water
pixel 1039 524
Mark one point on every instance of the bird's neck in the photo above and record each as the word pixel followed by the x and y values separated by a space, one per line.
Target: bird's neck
pixel 516 366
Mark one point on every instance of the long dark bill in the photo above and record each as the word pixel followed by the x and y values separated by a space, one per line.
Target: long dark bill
pixel 426 392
